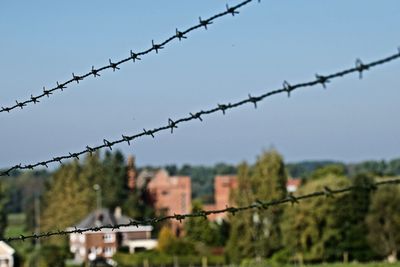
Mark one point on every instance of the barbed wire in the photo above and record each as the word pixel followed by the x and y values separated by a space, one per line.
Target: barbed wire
pixel 134 56
pixel 173 124
pixel 258 204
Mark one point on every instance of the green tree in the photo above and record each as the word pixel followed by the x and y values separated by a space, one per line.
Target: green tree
pixel 224 169
pixel 352 210
pixel 169 244
pixel 3 212
pixel 258 233
pixel 269 181
pixel 201 229
pixel 383 221
pixel 67 199
pixel 394 167
pixel 240 242
pixel 334 169
pixel 48 256
pixel 165 239
pixel 114 179
pixel 310 229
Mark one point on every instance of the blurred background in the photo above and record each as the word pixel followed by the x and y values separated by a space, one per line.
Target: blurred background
pixel 315 140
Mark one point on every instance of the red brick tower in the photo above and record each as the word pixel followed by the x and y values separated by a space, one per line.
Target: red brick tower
pixel 131 172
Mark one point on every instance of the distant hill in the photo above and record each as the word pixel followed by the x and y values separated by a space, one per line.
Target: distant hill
pixel 21 186
pixel 304 168
pixel 203 176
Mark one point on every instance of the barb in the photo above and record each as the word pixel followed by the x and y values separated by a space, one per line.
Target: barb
pixel 156 47
pixel 258 204
pixel 171 125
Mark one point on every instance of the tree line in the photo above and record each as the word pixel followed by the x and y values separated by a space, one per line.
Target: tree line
pixel 360 225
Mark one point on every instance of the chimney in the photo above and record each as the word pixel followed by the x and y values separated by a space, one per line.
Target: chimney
pixel 131 173
pixel 117 213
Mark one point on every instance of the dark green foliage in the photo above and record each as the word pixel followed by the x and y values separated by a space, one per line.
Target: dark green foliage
pixel 154 258
pixel 69 198
pixel 3 212
pixel 172 169
pixel 70 194
pixel 201 229
pixel 138 205
pixel 377 168
pixel 202 178
pixel 258 233
pixel 269 180
pixel 352 210
pixel 305 168
pixel 113 179
pixel 171 245
pixel 331 169
pixel 240 242
pixel 393 167
pixel 21 190
pixel 310 229
pixel 48 256
pixel 383 221
pixel 372 167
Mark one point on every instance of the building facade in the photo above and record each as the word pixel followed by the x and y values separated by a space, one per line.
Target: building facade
pixel 223 187
pixel 93 245
pixel 6 255
pixel 171 195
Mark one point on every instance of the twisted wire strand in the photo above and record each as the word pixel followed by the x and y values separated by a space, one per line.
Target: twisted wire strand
pixel 173 124
pixel 134 56
pixel 258 204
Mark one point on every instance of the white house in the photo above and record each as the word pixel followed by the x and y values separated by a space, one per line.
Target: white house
pixel 6 255
pixel 103 244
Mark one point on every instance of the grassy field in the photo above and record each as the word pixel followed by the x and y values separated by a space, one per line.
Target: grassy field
pixel 374 264
pixel 16 225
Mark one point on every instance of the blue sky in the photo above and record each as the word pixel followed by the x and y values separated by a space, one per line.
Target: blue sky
pixel 45 41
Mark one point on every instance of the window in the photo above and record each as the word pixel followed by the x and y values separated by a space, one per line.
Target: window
pixel 109 238
pixel 82 238
pixel 82 251
pixel 183 202
pixel 72 237
pixel 109 251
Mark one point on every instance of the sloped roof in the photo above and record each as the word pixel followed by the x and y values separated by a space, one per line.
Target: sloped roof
pixel 5 249
pixel 104 217
pixel 293 182
pixel 101 218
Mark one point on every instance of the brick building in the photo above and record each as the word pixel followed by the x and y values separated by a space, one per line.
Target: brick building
pixel 131 173
pixel 171 195
pixel 223 186
pixel 168 194
pixel 90 246
pixel 293 184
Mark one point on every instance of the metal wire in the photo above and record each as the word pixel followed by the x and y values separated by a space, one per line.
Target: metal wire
pixel 173 124
pixel 134 56
pixel 259 204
